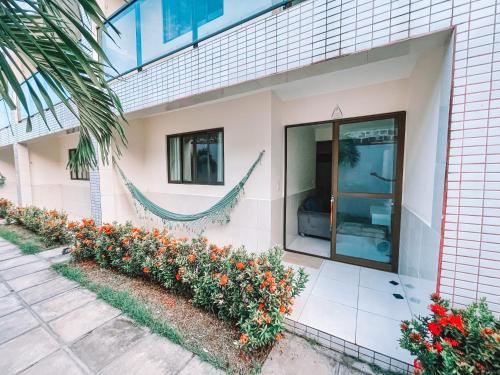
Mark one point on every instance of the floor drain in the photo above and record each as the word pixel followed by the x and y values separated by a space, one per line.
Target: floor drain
pixel 393 282
pixel 398 296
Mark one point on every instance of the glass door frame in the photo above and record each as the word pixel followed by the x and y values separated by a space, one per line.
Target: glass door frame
pixel 399 122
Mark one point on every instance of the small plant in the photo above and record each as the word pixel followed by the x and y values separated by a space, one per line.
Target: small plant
pixel 5 205
pixel 454 341
pixel 253 290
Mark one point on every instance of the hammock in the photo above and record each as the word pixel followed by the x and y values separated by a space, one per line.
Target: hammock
pixel 218 213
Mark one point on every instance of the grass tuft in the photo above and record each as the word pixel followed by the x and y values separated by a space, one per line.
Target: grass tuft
pixel 27 247
pixel 136 310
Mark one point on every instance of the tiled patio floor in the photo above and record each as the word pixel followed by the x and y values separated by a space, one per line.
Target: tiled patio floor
pixel 357 304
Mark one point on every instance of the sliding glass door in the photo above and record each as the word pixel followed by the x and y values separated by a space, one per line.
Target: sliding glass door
pixel 343 189
pixel 366 190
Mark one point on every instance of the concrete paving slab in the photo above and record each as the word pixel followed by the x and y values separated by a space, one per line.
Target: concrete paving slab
pixel 7 246
pixel 58 363
pixel 19 261
pixel 9 304
pixel 83 320
pixel 15 324
pixel 26 269
pixel 196 366
pixel 107 342
pixel 152 355
pixel 32 279
pixel 60 258
pixel 25 350
pixel 51 253
pixel 63 303
pixel 12 253
pixel 46 290
pixel 4 290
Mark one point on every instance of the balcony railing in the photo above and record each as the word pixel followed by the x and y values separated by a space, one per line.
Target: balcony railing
pixel 152 29
pixel 144 31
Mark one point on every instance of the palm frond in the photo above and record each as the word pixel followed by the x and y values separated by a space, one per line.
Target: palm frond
pixel 45 36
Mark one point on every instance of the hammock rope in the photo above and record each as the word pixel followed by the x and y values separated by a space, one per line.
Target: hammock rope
pixel 218 213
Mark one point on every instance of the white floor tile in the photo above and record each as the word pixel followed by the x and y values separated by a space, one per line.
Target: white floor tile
pixel 346 273
pixel 336 291
pixel 298 306
pixel 311 245
pixel 331 317
pixel 383 303
pixel 380 334
pixel 380 280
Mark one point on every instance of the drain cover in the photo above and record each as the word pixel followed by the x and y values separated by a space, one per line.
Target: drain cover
pixel 398 296
pixel 393 282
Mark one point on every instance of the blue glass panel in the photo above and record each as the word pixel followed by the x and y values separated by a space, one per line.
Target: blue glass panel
pixel 367 159
pixel 364 227
pixel 5 114
pixel 121 49
pixel 151 29
pixel 31 104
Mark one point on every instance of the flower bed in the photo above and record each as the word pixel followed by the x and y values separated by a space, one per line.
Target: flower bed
pixel 254 291
pixel 454 341
pixel 49 225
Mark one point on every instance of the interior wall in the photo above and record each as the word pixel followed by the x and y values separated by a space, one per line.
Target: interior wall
pixel 8 170
pixel 301 173
pixel 52 187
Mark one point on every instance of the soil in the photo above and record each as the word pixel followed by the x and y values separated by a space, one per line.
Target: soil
pixel 198 326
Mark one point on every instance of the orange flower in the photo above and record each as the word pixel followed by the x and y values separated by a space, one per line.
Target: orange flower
pixel 243 339
pixel 178 276
pixel 213 257
pixel 126 257
pixel 191 258
pixel 240 265
pixel 278 336
pixel 223 280
pixel 88 222
pixel 261 306
pixel 106 228
pixel 282 309
pixel 146 270
pixel 156 232
pixel 158 264
pixel 71 225
pixel 125 241
pixel 110 247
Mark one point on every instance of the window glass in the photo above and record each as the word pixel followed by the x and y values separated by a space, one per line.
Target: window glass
pixel 197 157
pixel 79 174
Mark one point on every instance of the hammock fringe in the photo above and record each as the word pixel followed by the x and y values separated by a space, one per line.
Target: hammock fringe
pixel 219 213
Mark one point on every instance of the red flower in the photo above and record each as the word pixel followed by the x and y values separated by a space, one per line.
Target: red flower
pixel 434 328
pixel 243 339
pixel 438 347
pixel 428 345
pixel 404 326
pixel 240 265
pixel 415 336
pixel 438 309
pixel 488 331
pixel 452 342
pixel 223 280
pixel 261 306
pixel 178 276
pixel 146 270
pixel 456 321
pixel 126 258
pixel 417 364
pixel 282 309
pixel 435 296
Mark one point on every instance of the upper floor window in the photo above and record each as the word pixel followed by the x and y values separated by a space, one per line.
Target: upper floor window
pixel 80 174
pixel 196 157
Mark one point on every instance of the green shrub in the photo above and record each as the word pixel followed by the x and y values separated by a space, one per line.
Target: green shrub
pixel 454 341
pixel 253 290
pixel 50 226
pixel 5 205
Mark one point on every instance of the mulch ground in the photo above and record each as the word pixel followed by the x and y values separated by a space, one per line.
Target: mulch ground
pixel 198 326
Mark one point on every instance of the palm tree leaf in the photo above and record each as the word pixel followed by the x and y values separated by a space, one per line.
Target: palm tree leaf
pixel 45 36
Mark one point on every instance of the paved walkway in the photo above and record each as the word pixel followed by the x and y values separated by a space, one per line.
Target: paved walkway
pixel 49 325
